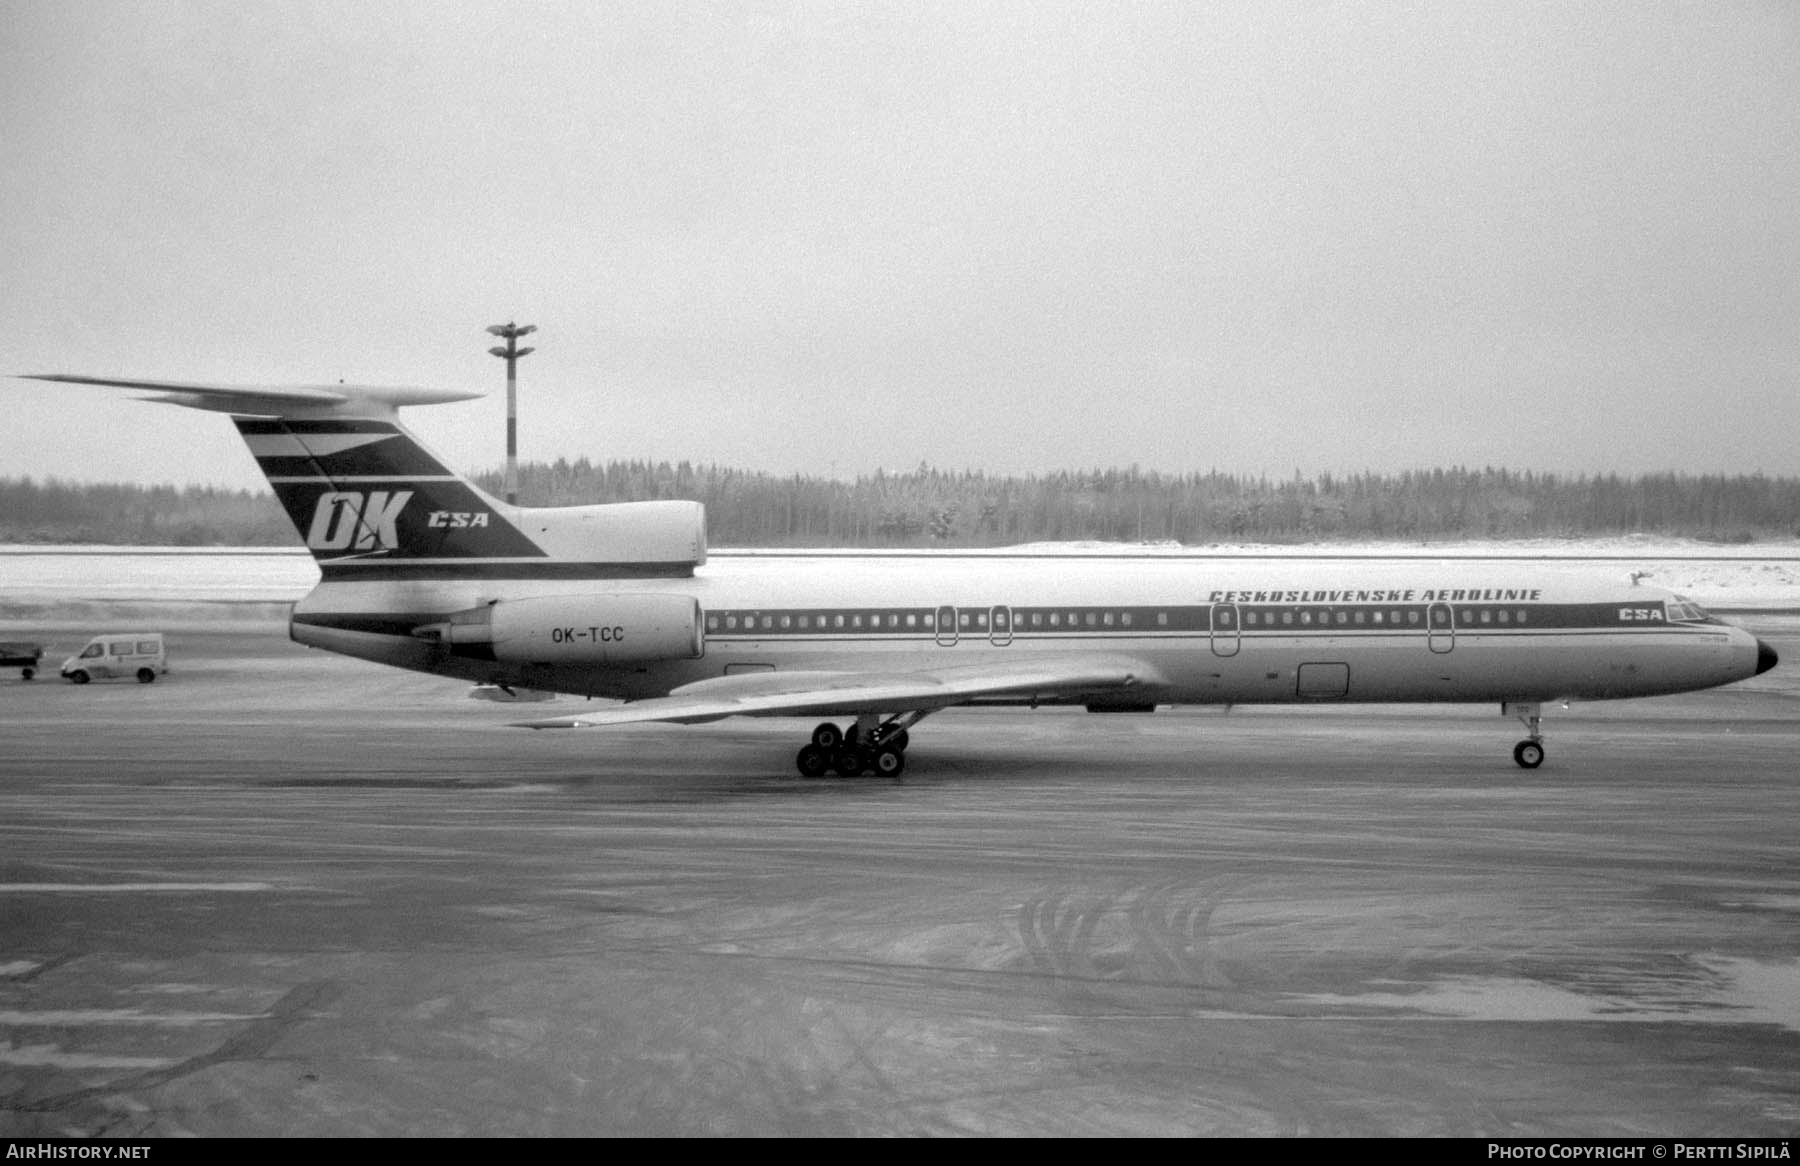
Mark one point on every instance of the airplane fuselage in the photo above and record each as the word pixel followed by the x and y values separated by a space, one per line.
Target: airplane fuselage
pixel 1220 631
pixel 422 569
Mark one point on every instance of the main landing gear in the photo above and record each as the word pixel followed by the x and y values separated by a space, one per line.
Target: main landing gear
pixel 871 745
pixel 1529 753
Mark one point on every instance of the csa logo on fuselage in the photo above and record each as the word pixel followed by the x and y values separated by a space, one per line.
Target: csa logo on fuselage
pixel 458 519
pixel 351 520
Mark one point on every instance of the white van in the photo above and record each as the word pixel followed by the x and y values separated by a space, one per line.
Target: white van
pixel 138 654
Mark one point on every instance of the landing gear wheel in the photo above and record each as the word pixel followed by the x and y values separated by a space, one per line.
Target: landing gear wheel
pixel 78 677
pixel 146 676
pixel 27 673
pixel 1529 754
pixel 889 761
pixel 813 761
pixel 850 761
pixel 828 736
pixel 897 740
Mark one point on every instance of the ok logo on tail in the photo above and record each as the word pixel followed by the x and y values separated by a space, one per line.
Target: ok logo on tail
pixel 350 520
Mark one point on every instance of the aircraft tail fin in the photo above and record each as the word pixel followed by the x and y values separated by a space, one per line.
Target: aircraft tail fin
pixel 364 490
pixel 371 501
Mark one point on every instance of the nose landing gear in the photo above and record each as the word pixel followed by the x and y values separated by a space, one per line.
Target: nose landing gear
pixel 1529 753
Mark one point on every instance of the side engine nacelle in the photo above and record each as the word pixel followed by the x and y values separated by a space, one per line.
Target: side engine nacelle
pixel 575 629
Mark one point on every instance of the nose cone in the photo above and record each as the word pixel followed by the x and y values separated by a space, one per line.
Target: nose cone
pixel 1765 658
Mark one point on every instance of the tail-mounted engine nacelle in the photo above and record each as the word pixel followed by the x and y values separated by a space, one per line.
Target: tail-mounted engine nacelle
pixel 575 629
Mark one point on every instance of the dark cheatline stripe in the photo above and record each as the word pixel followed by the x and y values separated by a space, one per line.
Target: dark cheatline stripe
pixel 352 570
pixel 371 623
pixel 398 626
pixel 402 624
pixel 261 425
pixel 394 452
pixel 1413 635
pixel 386 459
pixel 1183 622
pixel 1072 620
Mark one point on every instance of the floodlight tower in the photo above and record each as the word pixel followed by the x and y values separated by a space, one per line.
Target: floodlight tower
pixel 511 354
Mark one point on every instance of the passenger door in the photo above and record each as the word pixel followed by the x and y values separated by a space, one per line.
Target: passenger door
pixel 1224 629
pixel 1442 627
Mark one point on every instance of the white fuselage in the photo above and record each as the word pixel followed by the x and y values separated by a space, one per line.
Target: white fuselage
pixel 424 570
pixel 1205 631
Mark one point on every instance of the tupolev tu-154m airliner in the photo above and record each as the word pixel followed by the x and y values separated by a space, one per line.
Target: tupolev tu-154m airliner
pixel 420 569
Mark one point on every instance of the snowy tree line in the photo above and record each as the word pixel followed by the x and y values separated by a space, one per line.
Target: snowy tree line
pixel 931 507
pixel 52 511
pixel 969 508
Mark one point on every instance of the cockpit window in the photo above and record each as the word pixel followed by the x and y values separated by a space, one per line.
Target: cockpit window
pixel 1685 610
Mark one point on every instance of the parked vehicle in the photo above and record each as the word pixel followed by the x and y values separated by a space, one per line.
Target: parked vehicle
pixel 22 656
pixel 139 654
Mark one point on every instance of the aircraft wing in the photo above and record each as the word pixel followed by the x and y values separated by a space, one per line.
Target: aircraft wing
pixel 837 694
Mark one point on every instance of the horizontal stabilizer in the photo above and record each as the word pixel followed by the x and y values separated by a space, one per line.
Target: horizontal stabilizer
pixel 275 400
pixel 373 503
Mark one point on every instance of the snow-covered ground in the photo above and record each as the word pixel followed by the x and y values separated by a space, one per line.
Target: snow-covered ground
pixel 1740 577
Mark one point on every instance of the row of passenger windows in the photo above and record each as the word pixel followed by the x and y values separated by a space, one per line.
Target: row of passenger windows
pixel 1001 620
pixel 1361 617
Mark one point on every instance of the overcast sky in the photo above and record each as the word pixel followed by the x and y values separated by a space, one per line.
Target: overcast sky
pixel 1257 237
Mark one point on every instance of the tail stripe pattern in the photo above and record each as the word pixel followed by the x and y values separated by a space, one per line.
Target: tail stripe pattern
pixel 364 491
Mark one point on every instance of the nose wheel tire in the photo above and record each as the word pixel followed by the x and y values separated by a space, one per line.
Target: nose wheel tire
pixel 1529 754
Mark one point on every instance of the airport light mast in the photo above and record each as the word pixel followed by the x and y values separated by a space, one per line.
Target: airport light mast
pixel 511 354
